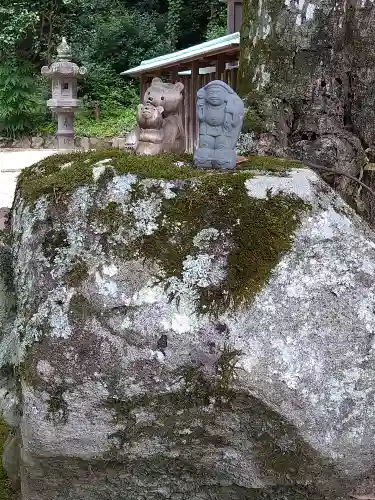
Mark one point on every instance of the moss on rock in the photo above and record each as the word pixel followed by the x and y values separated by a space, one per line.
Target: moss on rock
pixel 62 173
pixel 252 234
pixel 57 406
pixel 277 446
pixel 5 486
pixel 269 164
pixel 77 273
pixel 258 232
pixel 53 242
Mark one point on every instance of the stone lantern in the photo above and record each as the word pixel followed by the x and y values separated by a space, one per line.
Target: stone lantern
pixel 64 75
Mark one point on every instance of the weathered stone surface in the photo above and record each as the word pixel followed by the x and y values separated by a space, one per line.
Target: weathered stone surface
pixel 220 113
pixel 104 143
pixel 37 142
pixel 22 143
pixel 202 337
pixel 159 124
pixel 84 143
pixel 51 142
pixel 95 143
pixel 5 142
pixel 4 218
pixel 121 143
pixel 307 74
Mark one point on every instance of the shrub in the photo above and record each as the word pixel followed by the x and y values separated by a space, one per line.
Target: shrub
pixel 21 98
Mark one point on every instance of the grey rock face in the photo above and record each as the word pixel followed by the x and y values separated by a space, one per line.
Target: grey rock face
pixel 129 391
pixel 220 113
pixel 23 143
pixel 37 142
pixel 51 142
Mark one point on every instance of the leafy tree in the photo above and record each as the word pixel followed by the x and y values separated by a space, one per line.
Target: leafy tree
pixel 217 25
pixel 107 36
pixel 17 22
pixel 174 18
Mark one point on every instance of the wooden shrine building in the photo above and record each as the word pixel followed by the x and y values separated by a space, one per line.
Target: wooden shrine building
pixel 213 60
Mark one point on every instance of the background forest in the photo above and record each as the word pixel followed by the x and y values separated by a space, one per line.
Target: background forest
pixel 107 36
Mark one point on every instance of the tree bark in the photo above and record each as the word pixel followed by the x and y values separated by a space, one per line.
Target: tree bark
pixel 307 73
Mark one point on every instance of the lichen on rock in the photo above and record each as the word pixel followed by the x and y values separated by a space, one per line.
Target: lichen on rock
pixel 170 338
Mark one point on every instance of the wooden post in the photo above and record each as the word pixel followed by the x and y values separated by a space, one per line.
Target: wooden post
pixel 188 118
pixel 174 74
pixel 97 111
pixel 185 111
pixel 193 103
pixel 220 67
pixel 141 87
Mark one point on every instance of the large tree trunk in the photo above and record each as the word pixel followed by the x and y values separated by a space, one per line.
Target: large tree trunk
pixel 307 73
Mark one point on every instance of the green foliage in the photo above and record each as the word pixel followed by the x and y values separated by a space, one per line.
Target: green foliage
pixel 114 124
pixel 17 20
pixel 107 36
pixel 21 104
pixel 109 42
pixel 173 23
pixel 196 17
pixel 46 128
pixel 217 25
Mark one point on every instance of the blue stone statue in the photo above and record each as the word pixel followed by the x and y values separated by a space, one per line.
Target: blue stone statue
pixel 220 114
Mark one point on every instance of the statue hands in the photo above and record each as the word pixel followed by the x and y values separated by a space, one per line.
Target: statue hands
pixel 200 106
pixel 228 123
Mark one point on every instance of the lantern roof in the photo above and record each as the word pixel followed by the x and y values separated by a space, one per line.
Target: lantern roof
pixel 63 65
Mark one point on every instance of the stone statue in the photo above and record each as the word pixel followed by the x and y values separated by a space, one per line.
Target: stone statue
pixel 150 129
pixel 220 113
pixel 64 103
pixel 168 97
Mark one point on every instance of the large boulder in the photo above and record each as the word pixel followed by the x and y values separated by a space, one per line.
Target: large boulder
pixel 188 335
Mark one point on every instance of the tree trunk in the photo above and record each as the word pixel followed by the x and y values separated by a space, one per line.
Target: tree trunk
pixel 307 74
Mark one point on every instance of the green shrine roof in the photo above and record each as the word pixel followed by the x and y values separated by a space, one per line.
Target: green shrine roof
pixel 185 55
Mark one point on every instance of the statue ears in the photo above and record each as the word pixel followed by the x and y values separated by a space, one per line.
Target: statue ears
pixel 179 86
pixel 156 80
pixel 160 109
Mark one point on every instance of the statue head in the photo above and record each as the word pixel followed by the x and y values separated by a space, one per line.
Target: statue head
pixel 150 116
pixel 168 95
pixel 215 93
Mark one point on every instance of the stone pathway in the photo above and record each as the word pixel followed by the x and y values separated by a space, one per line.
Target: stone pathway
pixel 11 163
